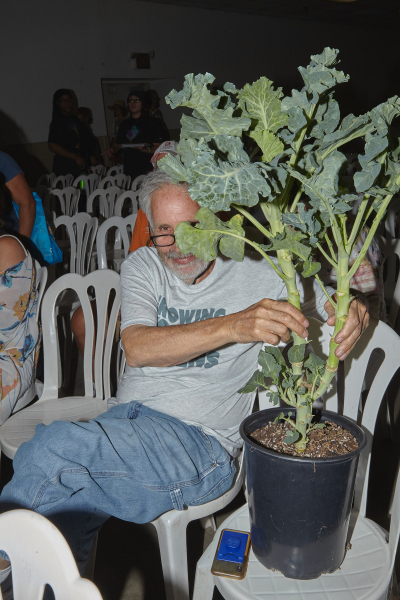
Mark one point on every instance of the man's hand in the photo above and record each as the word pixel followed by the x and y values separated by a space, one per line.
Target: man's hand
pixel 356 323
pixel 268 321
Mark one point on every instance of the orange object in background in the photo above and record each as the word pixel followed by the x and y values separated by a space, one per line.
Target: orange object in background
pixel 140 234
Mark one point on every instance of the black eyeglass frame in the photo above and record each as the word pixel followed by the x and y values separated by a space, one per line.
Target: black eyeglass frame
pixel 152 237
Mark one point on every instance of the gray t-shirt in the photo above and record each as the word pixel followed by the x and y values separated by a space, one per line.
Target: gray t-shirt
pixel 202 391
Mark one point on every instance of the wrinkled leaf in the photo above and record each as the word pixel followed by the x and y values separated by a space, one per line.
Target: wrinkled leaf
pixel 350 128
pixel 291 241
pixel 262 104
pixel 202 240
pixel 269 143
pixel 256 380
pixel 296 353
pixel 173 166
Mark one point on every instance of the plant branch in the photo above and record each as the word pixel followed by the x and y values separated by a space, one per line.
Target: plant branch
pixel 370 235
pixel 333 263
pixel 357 223
pixel 325 292
pixel 250 217
pixel 330 246
pixel 296 199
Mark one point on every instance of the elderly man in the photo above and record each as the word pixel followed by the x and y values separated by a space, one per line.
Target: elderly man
pixel 191 332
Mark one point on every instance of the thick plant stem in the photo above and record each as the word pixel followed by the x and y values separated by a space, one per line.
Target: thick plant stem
pixel 303 418
pixel 341 313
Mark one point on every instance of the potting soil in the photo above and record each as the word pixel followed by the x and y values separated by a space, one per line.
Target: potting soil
pixel 332 440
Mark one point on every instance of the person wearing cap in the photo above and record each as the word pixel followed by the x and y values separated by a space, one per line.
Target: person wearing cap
pixel 139 136
pixel 68 139
pixel 141 233
pixel 120 112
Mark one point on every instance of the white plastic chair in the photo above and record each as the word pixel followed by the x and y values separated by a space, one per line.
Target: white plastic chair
pixel 122 181
pixel 367 569
pixel 20 427
pixel 99 170
pixel 116 170
pixel 90 182
pixel 135 185
pixel 40 555
pixel 105 254
pixel 106 182
pixel 390 248
pixel 46 179
pixel 68 198
pixel 81 229
pixel 133 200
pixel 106 199
pixel 62 181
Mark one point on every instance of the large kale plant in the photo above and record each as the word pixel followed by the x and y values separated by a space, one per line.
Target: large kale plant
pixel 297 184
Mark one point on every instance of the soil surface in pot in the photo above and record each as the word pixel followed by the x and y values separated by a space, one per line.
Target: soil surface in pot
pixel 332 440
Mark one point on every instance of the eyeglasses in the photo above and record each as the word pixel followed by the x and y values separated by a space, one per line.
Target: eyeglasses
pixel 133 101
pixel 163 240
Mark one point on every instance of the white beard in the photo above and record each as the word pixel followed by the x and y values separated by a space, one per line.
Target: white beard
pixel 187 273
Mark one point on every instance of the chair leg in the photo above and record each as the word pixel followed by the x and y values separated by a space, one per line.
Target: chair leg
pixel 89 569
pixel 204 580
pixel 171 531
pixel 208 522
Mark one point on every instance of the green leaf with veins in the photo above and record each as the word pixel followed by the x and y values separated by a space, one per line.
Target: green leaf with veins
pixel 269 143
pixel 291 241
pixel 172 165
pixel 262 104
pixel 321 75
pixel 305 220
pixel 207 120
pixel 371 167
pixel 187 150
pixel 350 128
pixel 383 114
pixel 256 380
pixel 296 353
pixel 269 365
pixel 203 239
pixel 273 397
pixel 218 183
pixel 276 353
pixel 327 118
pixel 314 363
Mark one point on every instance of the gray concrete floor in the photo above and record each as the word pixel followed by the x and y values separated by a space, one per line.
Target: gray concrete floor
pixel 128 565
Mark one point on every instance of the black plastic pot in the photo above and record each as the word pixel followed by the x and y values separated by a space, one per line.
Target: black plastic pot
pixel 299 507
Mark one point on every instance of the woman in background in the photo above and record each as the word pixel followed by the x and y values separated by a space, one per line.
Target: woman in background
pixel 68 139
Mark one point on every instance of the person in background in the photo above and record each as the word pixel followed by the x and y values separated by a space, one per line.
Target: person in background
pixel 15 187
pixel 68 139
pixel 137 129
pixel 153 110
pixel 91 144
pixel 19 330
pixel 141 233
pixel 120 112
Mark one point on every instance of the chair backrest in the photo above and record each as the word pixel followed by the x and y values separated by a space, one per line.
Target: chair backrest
pixel 99 334
pixel 135 185
pixel 40 555
pixel 88 182
pixel 62 181
pixel 68 198
pixel 122 227
pixel 99 170
pixel 81 229
pixel 107 182
pixel 132 197
pixel 106 199
pixel 122 181
pixel 114 170
pixel 46 179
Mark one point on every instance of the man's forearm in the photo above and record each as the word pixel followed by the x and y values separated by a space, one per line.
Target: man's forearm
pixel 147 346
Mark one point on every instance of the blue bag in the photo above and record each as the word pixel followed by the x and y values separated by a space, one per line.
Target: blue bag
pixel 42 237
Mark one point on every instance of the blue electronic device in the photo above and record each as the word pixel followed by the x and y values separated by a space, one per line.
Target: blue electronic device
pixel 232 547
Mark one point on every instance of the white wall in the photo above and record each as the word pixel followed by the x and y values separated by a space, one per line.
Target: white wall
pixel 49 44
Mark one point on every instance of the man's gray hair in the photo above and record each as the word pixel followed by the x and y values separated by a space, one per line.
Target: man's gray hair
pixel 153 182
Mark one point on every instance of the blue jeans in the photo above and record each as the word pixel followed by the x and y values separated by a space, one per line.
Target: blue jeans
pixel 131 462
